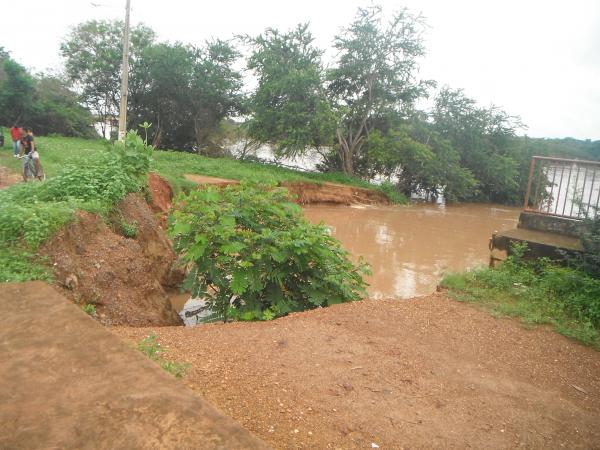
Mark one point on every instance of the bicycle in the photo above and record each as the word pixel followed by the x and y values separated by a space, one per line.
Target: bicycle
pixel 33 171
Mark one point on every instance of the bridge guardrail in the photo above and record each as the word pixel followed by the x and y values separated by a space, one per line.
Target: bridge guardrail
pixel 563 187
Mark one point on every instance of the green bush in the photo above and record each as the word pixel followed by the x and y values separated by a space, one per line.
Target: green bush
pixel 254 256
pixel 90 309
pixel 129 229
pixel 392 193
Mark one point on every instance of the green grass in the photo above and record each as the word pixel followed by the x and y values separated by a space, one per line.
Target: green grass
pixel 538 293
pixel 56 152
pixel 150 347
pixel 90 309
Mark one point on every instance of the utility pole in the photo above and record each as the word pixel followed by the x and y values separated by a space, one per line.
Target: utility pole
pixel 124 76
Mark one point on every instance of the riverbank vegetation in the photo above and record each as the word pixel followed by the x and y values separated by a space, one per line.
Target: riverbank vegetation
pixel 254 256
pixel 539 291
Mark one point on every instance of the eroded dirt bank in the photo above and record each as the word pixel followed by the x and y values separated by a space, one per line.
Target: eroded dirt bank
pixel 125 277
pixel 313 193
pixel 426 373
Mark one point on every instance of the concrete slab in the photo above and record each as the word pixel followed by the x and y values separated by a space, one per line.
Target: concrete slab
pixel 539 243
pixel 67 382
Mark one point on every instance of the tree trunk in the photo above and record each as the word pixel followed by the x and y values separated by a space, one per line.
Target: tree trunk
pixel 345 153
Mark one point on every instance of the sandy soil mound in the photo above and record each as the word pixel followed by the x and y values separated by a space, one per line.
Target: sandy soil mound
pixel 425 373
pixel 124 277
pixel 311 193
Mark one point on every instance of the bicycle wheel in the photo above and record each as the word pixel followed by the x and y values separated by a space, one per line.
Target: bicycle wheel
pixel 28 170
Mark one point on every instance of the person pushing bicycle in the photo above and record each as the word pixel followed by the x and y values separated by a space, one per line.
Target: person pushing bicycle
pixel 30 155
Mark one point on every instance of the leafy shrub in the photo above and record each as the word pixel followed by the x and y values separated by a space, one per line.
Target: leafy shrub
pixel 129 229
pixel 590 241
pixel 254 256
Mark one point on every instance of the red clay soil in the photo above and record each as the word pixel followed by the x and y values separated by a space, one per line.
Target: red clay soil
pixel 161 194
pixel 125 278
pixel 68 383
pixel 8 177
pixel 425 373
pixel 310 193
pixel 341 194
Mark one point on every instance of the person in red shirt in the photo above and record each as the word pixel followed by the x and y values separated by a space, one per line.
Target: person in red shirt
pixel 16 134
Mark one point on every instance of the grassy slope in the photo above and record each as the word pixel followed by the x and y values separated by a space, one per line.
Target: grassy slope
pixel 56 152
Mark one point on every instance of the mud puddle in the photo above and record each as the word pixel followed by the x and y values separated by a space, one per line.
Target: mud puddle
pixel 411 247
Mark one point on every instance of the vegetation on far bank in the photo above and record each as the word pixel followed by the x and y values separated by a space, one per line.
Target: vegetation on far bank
pixel 538 292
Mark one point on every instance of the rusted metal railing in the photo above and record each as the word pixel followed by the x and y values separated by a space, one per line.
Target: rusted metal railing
pixel 563 187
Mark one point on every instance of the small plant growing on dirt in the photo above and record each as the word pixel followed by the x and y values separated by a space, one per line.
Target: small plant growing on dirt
pixel 253 256
pixel 150 347
pixel 129 229
pixel 90 309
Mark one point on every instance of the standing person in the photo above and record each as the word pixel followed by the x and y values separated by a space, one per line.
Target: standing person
pixel 16 134
pixel 28 150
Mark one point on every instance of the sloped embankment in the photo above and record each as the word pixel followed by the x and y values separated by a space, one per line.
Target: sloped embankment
pixel 306 193
pixel 124 277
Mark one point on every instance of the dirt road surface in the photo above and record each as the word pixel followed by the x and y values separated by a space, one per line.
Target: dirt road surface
pixel 425 373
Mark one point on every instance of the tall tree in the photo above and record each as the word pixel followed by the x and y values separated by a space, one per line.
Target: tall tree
pixel 57 109
pixel 93 54
pixel 16 92
pixel 375 76
pixel 215 91
pixel 168 69
pixel 485 139
pixel 289 107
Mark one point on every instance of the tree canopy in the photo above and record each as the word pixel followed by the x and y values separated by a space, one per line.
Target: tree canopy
pixel 357 110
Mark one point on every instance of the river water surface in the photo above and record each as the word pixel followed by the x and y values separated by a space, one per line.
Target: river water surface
pixel 411 247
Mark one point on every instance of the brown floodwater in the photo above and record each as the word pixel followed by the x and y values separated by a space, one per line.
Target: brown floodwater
pixel 411 247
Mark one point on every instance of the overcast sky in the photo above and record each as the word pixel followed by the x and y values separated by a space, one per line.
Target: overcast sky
pixel 536 59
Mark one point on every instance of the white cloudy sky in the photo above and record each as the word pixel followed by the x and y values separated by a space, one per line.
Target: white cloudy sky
pixel 537 59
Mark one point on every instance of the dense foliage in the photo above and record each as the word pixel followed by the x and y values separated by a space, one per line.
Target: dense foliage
pixel 31 212
pixel 185 91
pixel 43 102
pixel 252 255
pixel 538 291
pixel 289 108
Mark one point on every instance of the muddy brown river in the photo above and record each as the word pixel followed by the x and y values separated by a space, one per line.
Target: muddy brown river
pixel 411 247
